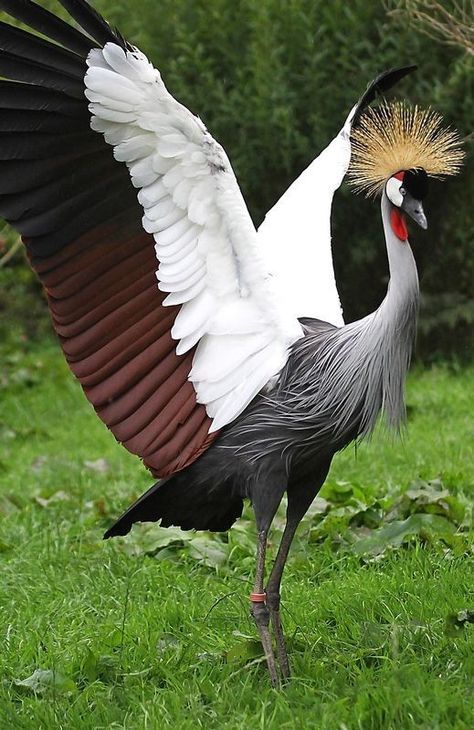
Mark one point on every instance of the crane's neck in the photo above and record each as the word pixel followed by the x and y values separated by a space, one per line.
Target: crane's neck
pixel 402 294
pixel 377 349
pixel 388 334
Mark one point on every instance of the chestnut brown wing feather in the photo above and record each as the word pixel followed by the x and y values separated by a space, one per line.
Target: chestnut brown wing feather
pixel 81 223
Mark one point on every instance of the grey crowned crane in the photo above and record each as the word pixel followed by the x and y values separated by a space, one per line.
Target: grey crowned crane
pixel 216 353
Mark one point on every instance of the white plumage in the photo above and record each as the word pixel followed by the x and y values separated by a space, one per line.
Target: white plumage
pixel 296 235
pixel 205 242
pixel 241 293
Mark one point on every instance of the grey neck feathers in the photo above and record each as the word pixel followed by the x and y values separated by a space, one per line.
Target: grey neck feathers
pixel 374 352
pixel 337 380
pixel 382 342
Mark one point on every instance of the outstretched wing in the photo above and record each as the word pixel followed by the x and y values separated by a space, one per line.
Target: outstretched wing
pixel 165 363
pixel 296 234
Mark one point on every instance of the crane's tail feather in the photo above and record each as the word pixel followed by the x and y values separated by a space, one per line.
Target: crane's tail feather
pixel 182 502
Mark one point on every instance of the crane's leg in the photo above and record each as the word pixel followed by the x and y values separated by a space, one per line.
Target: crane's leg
pixel 266 495
pixel 300 496
pixel 260 611
pixel 273 594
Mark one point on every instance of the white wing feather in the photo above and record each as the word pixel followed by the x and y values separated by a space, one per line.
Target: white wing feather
pixel 295 236
pixel 206 245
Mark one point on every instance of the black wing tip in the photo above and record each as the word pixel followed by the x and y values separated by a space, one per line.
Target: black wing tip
pixel 392 75
pixel 94 29
pixel 118 529
pixel 92 22
pixel 140 511
pixel 38 18
pixel 379 85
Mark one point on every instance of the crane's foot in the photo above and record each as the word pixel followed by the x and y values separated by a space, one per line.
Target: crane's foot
pixel 261 616
pixel 273 603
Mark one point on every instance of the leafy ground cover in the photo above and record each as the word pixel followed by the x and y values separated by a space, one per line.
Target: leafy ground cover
pixel 154 631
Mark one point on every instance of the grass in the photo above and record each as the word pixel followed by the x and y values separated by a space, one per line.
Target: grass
pixel 132 638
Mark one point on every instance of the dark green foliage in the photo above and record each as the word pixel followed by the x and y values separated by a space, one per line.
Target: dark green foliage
pixel 273 81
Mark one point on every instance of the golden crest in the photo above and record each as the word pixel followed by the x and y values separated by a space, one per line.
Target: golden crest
pixel 394 137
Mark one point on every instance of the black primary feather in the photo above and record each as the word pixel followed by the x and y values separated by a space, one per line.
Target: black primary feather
pixel 19 176
pixel 382 83
pixel 33 48
pixel 19 146
pixel 68 228
pixel 67 187
pixel 93 23
pixel 48 24
pixel 38 121
pixel 192 499
pixel 15 95
pixel 19 69
pixel 45 131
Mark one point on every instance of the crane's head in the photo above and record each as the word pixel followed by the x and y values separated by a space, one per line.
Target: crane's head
pixel 395 148
pixel 406 190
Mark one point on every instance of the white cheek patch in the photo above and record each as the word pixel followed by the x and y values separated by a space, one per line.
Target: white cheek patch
pixel 392 189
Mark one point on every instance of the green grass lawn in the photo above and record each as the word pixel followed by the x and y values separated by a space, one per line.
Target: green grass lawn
pixel 153 630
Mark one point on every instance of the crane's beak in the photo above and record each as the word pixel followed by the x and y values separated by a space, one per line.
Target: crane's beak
pixel 414 209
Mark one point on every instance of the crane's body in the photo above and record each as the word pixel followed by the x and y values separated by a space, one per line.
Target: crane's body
pixel 216 353
pixel 330 392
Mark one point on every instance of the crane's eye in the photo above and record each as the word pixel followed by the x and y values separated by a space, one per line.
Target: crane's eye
pixel 403 191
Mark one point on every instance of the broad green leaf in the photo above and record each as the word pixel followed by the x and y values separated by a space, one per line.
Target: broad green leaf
pixel 319 506
pixel 429 498
pixel 114 638
pixel 243 536
pixel 46 680
pixel 161 537
pixel 210 552
pixel 170 554
pixel 89 666
pixel 244 651
pixel 101 667
pixel 369 517
pixel 396 533
pixel 339 492
pixel 151 539
pixel 456 509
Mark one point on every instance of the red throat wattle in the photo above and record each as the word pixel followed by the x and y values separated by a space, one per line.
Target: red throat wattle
pixel 399 227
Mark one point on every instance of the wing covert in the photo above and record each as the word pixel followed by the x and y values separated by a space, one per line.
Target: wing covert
pixel 208 260
pixel 300 224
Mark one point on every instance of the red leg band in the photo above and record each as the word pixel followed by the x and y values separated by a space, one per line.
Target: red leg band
pixel 258 597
